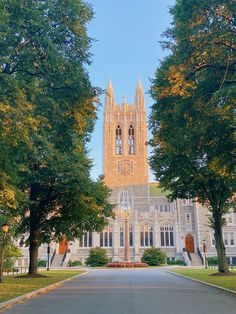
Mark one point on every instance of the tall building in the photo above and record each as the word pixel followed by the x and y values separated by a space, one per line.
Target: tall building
pixel 176 227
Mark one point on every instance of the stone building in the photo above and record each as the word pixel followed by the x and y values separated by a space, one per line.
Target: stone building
pixel 176 227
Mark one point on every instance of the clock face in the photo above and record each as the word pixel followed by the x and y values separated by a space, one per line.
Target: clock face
pixel 125 167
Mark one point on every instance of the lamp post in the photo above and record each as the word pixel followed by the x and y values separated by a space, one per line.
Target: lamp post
pixel 5 229
pixel 48 252
pixel 204 252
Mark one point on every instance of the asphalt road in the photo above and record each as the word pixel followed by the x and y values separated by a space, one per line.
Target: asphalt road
pixel 129 291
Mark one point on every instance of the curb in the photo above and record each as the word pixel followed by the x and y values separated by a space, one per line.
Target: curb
pixel 7 304
pixel 203 282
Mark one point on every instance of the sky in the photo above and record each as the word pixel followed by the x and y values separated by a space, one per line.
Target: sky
pixel 126 47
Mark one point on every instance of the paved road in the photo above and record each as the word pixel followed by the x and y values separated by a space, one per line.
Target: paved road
pixel 145 291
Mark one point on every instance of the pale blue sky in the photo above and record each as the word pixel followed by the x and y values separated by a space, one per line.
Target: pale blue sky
pixel 127 34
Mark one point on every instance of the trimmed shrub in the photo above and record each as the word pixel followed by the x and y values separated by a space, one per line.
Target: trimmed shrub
pixel 42 263
pixel 154 257
pixel 179 262
pixel 74 263
pixel 212 261
pixel 97 257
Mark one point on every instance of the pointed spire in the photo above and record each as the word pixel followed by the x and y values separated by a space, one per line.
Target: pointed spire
pixel 139 85
pixel 109 101
pixel 109 85
pixel 139 98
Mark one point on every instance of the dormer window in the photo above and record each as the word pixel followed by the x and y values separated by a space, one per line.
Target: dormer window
pixel 131 140
pixel 118 140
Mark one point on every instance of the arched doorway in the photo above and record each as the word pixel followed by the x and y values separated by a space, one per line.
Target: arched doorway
pixel 189 243
pixel 63 246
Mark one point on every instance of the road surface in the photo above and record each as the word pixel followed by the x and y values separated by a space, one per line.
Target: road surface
pixel 130 291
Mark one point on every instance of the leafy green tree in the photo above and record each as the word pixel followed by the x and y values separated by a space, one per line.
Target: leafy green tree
pixel 193 117
pixel 154 257
pixel 97 257
pixel 47 113
pixel 11 252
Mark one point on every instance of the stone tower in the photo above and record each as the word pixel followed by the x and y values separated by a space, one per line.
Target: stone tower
pixel 125 156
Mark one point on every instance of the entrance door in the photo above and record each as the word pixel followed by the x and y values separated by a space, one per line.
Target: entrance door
pixel 63 246
pixel 189 243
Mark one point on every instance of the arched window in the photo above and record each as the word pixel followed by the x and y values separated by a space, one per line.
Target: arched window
pixel 106 237
pixel 118 140
pixel 131 140
pixel 125 201
pixel 86 240
pixel 131 241
pixel 122 235
pixel 146 235
pixel 167 235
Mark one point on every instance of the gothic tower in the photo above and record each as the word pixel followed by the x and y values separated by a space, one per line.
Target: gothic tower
pixel 125 141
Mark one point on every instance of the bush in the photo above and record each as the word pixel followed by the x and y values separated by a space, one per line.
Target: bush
pixel 74 263
pixel 154 257
pixel 42 263
pixel 97 257
pixel 12 253
pixel 212 261
pixel 179 262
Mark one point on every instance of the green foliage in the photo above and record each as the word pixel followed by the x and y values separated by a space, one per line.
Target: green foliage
pixel 193 117
pixel 11 251
pixel 154 257
pixel 212 261
pixel 74 263
pixel 47 112
pixel 11 254
pixel 42 263
pixel 179 262
pixel 97 257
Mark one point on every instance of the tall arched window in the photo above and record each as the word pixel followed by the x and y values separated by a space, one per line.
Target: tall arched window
pixel 167 235
pixel 106 237
pixel 122 236
pixel 86 240
pixel 131 140
pixel 146 235
pixel 118 140
pixel 125 201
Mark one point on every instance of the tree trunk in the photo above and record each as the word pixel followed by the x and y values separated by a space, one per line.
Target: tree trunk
pixel 220 248
pixel 33 251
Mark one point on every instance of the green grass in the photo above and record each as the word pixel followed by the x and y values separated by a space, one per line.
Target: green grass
pixel 228 282
pixel 12 287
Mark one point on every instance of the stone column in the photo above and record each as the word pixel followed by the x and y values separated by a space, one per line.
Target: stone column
pixel 127 243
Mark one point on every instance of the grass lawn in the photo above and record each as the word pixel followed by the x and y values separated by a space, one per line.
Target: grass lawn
pixel 12 287
pixel 228 282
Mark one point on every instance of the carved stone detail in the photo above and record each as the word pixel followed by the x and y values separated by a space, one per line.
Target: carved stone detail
pixel 125 167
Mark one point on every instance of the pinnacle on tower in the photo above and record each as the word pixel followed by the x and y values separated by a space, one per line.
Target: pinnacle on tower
pixel 109 101
pixel 139 98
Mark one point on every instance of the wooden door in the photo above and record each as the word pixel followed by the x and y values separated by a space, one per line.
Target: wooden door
pixel 63 246
pixel 189 243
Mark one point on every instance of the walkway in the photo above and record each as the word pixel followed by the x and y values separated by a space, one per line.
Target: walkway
pixel 129 291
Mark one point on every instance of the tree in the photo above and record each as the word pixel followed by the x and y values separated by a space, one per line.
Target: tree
pixel 97 257
pixel 11 252
pixel 44 49
pixel 193 117
pixel 154 257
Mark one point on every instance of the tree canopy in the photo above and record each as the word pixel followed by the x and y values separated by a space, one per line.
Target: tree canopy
pixel 47 113
pixel 193 117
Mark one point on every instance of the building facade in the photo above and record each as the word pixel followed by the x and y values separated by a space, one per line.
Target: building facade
pixel 175 227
